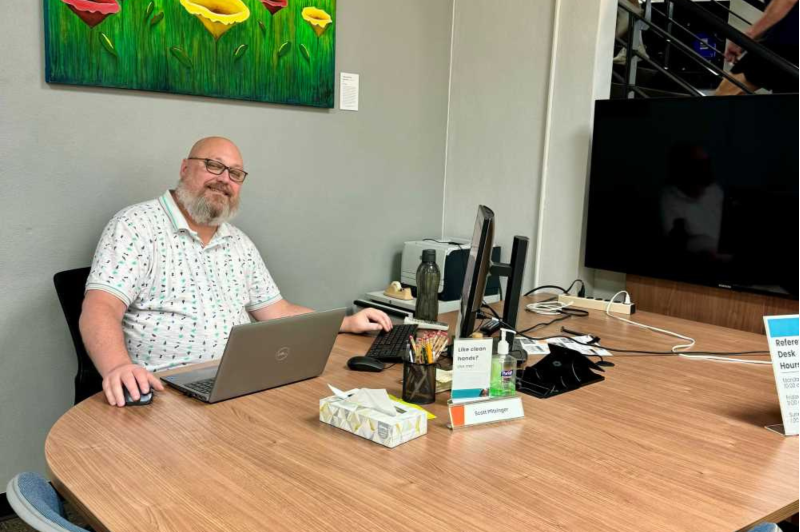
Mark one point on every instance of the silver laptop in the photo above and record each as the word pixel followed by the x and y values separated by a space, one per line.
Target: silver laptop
pixel 264 355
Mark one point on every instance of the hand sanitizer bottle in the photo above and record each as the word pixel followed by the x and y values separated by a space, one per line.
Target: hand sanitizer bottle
pixel 504 369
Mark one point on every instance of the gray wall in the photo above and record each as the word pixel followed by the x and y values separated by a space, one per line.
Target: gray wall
pixel 498 99
pixel 327 201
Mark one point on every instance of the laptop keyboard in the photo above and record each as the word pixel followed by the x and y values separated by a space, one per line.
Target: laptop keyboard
pixel 205 386
pixel 391 346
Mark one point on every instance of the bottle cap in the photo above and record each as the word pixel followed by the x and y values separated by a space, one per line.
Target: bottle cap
pixel 428 255
pixel 502 345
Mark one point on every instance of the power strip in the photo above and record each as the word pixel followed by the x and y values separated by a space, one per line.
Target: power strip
pixel 596 304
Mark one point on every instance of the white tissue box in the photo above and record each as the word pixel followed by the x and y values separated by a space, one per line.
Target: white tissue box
pixel 390 431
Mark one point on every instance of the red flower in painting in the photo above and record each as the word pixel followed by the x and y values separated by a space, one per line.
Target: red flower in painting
pixel 93 12
pixel 273 6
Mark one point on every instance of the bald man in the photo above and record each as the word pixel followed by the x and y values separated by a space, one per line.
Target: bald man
pixel 171 277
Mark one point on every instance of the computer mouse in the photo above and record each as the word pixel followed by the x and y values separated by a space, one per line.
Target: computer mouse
pixel 144 398
pixel 365 364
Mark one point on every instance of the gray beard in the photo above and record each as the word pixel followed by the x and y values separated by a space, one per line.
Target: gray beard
pixel 202 211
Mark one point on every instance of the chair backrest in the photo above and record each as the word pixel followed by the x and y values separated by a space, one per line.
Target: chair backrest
pixel 35 501
pixel 70 287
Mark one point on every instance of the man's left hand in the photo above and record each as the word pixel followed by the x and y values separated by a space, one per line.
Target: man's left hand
pixel 369 319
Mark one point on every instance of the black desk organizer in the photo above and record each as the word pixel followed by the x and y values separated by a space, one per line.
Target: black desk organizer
pixel 563 370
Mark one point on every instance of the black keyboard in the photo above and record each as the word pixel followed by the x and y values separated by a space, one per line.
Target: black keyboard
pixel 205 386
pixel 393 345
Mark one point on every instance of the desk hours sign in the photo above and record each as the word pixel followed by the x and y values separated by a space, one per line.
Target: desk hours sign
pixel 783 335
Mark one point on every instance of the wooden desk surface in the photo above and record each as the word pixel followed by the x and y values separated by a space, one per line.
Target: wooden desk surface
pixel 662 444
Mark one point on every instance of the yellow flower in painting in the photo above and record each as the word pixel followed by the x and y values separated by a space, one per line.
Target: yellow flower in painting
pixel 218 16
pixel 318 19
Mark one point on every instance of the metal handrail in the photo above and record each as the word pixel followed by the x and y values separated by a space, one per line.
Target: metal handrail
pixel 634 88
pixel 687 30
pixel 685 49
pixel 693 91
pixel 732 12
pixel 629 76
pixel 736 36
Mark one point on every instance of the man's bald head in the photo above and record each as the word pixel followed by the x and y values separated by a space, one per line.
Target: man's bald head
pixel 210 145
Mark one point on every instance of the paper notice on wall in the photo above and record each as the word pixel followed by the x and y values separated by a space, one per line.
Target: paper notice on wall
pixel 348 92
pixel 783 333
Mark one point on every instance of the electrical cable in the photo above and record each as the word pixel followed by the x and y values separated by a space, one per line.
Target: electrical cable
pixel 662 353
pixel 490 309
pixel 544 324
pixel 581 292
pixel 680 349
pixel 719 356
pixel 551 306
pixel 627 300
pixel 564 314
pixel 700 355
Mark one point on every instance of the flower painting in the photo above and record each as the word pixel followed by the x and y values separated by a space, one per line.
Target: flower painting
pixel 278 51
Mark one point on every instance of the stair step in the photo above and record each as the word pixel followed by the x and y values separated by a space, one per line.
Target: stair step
pixel 617 92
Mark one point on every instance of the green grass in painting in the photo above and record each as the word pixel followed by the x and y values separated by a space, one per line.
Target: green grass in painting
pixel 162 47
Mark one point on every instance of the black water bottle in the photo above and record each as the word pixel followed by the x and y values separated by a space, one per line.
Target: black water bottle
pixel 428 277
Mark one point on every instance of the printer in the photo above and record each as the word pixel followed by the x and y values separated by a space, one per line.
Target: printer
pixel 452 257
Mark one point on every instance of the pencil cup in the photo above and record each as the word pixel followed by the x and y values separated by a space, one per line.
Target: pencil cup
pixel 419 383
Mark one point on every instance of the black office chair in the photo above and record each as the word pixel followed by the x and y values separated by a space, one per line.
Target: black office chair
pixel 70 286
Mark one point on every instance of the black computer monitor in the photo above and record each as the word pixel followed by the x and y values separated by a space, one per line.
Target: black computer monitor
pixel 480 266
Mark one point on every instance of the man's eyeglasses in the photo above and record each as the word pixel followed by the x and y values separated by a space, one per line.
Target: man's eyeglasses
pixel 217 168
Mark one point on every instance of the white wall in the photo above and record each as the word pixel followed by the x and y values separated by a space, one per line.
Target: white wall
pixel 326 201
pixel 498 97
pixel 525 76
pixel 581 73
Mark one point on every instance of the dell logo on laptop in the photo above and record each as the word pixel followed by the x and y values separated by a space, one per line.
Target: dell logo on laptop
pixel 282 354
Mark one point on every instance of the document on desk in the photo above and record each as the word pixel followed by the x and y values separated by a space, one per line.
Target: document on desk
pixel 534 347
pixel 783 333
pixel 577 344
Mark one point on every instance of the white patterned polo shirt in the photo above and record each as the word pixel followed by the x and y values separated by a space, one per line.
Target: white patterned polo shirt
pixel 183 298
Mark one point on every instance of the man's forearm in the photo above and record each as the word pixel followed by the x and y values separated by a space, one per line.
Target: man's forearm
pixel 774 13
pixel 281 309
pixel 294 310
pixel 104 341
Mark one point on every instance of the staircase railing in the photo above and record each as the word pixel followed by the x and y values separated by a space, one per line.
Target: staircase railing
pixel 635 20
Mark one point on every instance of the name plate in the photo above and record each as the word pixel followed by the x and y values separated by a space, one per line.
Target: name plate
pixel 783 333
pixel 485 411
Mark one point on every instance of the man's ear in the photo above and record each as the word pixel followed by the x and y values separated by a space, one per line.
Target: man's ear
pixel 184 167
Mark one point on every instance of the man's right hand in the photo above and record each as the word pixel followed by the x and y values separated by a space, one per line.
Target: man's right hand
pixel 732 52
pixel 134 378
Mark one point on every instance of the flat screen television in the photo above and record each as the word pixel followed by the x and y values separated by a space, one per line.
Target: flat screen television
pixel 699 190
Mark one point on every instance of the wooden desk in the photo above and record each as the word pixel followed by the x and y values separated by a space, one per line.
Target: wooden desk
pixel 663 444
